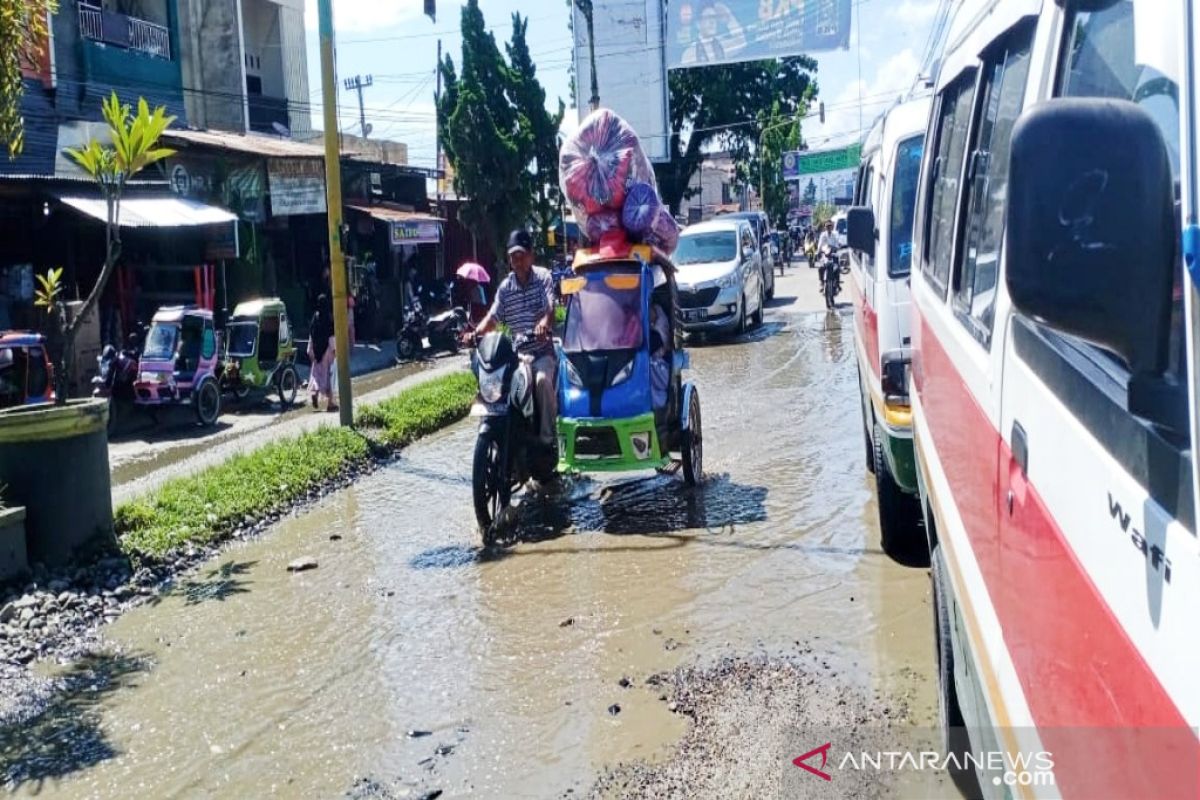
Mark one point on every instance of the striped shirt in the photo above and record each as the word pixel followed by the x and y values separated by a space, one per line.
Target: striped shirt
pixel 520 307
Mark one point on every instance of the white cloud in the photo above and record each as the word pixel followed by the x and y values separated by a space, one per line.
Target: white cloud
pixel 891 80
pixel 360 16
pixel 915 12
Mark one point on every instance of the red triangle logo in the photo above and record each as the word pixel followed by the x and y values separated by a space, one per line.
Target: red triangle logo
pixel 824 751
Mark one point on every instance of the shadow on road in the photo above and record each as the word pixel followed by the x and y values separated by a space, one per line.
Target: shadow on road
pixel 67 735
pixel 215 584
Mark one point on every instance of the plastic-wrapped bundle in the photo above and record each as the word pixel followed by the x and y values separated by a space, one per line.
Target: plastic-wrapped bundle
pixel 600 223
pixel 600 161
pixel 641 206
pixel 664 231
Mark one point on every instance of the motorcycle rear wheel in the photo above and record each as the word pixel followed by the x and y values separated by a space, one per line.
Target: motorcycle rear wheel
pixel 489 486
pixel 406 347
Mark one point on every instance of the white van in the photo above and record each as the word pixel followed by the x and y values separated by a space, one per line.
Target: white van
pixel 879 230
pixel 1051 365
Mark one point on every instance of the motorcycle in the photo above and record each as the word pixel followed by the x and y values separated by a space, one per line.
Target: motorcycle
pixel 831 278
pixel 117 371
pixel 442 331
pixel 507 451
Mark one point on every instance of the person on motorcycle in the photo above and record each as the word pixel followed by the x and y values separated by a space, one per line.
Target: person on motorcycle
pixel 827 247
pixel 525 303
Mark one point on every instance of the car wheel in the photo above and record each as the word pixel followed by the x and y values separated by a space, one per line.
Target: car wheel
pixel 900 533
pixel 770 293
pixel 207 403
pixel 953 729
pixel 741 326
pixel 757 320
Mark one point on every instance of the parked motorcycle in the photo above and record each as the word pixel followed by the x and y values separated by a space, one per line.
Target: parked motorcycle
pixel 421 334
pixel 507 451
pixel 117 370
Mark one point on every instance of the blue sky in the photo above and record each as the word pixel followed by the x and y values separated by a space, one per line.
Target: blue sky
pixel 393 41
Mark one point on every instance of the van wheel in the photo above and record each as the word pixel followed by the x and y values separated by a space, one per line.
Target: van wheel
pixel 870 448
pixel 950 719
pixel 900 533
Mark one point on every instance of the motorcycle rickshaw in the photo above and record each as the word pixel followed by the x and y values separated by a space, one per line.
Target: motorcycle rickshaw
pixel 260 354
pixel 179 361
pixel 622 402
pixel 25 371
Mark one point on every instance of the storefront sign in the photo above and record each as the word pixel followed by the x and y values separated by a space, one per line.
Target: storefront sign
pixel 797 163
pixel 416 232
pixel 297 186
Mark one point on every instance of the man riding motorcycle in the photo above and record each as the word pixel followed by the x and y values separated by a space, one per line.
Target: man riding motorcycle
pixel 827 247
pixel 525 303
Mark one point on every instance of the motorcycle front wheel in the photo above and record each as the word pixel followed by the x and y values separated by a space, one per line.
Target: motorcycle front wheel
pixel 489 485
pixel 406 347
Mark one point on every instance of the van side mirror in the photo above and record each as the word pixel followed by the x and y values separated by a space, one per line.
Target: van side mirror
pixel 1090 236
pixel 860 230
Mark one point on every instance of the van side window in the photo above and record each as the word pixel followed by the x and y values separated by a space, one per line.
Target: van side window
pixel 951 128
pixel 868 199
pixel 1101 59
pixel 1006 68
pixel 906 172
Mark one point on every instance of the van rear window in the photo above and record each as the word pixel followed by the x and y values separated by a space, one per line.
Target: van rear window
pixel 904 200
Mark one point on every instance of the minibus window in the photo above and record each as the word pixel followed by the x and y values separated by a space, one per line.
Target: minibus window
pixel 952 128
pixel 1005 72
pixel 904 201
pixel 1101 59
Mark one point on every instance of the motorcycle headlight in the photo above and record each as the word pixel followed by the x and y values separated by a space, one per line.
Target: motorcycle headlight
pixel 729 280
pixel 573 374
pixel 491 385
pixel 152 377
pixel 623 375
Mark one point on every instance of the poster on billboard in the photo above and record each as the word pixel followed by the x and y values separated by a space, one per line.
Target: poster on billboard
pixel 703 32
pixel 630 40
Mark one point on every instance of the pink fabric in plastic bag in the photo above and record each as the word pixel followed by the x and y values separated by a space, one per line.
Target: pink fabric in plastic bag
pixel 600 223
pixel 664 232
pixel 599 162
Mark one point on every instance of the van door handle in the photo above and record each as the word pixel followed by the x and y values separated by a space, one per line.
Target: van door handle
pixel 1017 481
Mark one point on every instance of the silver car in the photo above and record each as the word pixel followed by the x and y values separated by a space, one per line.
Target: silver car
pixel 720 277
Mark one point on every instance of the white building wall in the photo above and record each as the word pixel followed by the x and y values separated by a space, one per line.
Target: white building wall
pixel 295 65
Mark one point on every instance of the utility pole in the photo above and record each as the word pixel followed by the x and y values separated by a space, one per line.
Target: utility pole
pixel 437 127
pixel 358 83
pixel 333 211
pixel 586 7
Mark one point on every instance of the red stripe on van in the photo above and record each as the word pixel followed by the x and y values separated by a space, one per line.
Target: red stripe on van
pixel 1107 721
pixel 866 321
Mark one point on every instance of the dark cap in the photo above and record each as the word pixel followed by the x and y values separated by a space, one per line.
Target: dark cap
pixel 520 240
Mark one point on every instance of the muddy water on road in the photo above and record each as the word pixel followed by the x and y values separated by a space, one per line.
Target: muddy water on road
pixel 257 682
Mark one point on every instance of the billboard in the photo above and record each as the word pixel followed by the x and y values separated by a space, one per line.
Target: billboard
pixel 631 66
pixel 703 32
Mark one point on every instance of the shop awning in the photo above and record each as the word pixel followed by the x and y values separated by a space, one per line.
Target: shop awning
pixel 154 212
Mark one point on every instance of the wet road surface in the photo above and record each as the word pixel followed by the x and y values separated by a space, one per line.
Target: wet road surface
pixel 411 661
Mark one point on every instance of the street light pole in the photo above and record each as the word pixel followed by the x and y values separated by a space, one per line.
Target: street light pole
pixel 333 210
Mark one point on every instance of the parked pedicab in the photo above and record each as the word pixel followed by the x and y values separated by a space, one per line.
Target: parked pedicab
pixel 260 354
pixel 622 402
pixel 25 371
pixel 179 363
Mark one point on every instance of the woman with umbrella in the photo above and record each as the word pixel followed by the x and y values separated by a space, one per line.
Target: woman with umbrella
pixel 472 278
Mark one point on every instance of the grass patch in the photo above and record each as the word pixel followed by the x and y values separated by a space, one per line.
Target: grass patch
pixel 421 410
pixel 205 507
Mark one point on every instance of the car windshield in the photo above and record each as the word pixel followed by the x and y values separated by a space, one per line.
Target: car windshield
pixel 160 341
pixel 242 337
pixel 706 248
pixel 600 317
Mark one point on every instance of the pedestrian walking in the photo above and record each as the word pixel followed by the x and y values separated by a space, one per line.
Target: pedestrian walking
pixel 322 354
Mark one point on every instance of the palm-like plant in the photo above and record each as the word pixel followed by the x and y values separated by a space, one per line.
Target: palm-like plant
pixel 134 146
pixel 24 36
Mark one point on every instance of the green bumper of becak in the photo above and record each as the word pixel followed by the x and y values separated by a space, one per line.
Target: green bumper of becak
pixel 599 437
pixel 899 453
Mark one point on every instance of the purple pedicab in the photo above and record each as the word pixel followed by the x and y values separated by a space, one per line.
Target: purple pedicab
pixel 179 363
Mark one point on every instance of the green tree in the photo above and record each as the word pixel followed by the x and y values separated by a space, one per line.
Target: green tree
pixel 492 135
pixel 23 36
pixel 723 105
pixel 766 167
pixel 540 129
pixel 135 146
